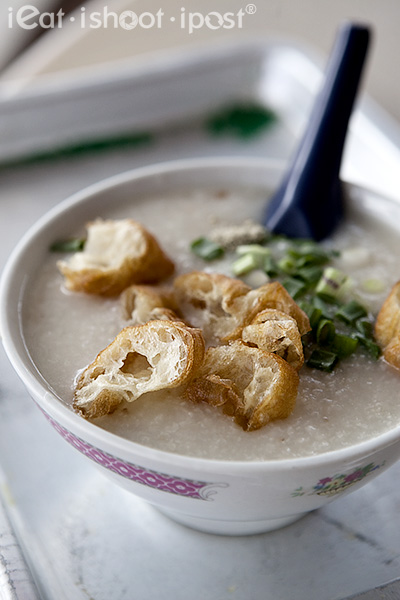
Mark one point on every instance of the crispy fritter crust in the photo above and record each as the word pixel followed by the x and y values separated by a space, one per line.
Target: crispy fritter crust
pixel 116 255
pixel 143 358
pixel 222 305
pixel 255 386
pixel 275 331
pixel 252 376
pixel 387 327
pixel 211 301
pixel 273 295
pixel 139 303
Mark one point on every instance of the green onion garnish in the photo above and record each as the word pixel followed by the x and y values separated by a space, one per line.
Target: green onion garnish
pixel 206 249
pixel 343 345
pixel 325 331
pixel 72 245
pixel 365 327
pixel 372 348
pixel 309 253
pixel 331 283
pixel 350 312
pixel 315 317
pixel 270 267
pixel 294 286
pixel 338 328
pixel 255 249
pixel 244 264
pixel 323 360
pixel 310 274
pixel 254 256
pixel 326 305
pixel 287 265
pixel 313 313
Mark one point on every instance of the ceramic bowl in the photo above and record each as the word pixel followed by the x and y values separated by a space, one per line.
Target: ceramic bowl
pixel 224 497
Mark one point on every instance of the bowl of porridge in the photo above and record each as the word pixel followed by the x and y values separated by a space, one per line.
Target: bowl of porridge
pixel 160 379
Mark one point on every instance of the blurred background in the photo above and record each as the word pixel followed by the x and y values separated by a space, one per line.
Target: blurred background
pixel 38 51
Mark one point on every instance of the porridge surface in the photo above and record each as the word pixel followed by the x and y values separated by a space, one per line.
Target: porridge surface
pixel 64 331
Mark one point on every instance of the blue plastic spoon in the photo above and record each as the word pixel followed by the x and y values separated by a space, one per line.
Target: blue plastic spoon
pixel 309 203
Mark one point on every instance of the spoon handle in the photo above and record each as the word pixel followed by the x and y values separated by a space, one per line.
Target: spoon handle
pixel 312 183
pixel 335 104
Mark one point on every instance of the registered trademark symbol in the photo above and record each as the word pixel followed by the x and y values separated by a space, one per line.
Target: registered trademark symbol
pixel 251 9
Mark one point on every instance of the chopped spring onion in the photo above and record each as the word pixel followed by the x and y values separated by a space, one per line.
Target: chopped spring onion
pixel 270 266
pixel 323 360
pixel 343 345
pixel 310 274
pixel 313 313
pixel 72 245
pixel 294 286
pixel 331 283
pixel 287 265
pixel 309 253
pixel 325 331
pixel 372 348
pixel 350 312
pixel 315 317
pixel 206 249
pixel 365 327
pixel 327 306
pixel 338 327
pixel 244 264
pixel 255 249
pixel 258 257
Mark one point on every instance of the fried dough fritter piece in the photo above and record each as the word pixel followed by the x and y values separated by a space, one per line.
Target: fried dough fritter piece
pixel 142 358
pixel 250 384
pixel 117 253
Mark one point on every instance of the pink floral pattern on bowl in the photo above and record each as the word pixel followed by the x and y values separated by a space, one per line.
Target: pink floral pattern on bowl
pixel 330 486
pixel 200 490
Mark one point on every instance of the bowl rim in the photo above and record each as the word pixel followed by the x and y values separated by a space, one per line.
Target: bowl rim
pixel 65 416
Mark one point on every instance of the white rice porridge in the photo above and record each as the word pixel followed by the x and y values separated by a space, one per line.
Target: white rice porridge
pixel 360 399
